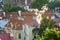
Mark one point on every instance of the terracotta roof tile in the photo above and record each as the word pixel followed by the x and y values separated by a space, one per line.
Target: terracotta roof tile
pixel 49 15
pixel 28 14
pixel 7 15
pixel 18 23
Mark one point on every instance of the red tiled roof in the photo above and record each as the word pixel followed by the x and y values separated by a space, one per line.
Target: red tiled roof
pixel 7 15
pixel 27 20
pixel 28 14
pixel 15 22
pixel 49 15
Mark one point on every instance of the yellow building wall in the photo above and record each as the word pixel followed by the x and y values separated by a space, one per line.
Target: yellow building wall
pixel 16 33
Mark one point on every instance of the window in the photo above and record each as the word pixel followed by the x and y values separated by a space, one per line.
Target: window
pixel 19 36
pixel 34 17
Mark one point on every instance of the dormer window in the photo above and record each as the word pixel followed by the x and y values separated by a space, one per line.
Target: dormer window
pixel 34 17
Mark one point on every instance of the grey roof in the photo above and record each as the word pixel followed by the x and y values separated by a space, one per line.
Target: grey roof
pixel 3 23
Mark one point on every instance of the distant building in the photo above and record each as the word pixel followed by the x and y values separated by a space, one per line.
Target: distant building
pixel 18 2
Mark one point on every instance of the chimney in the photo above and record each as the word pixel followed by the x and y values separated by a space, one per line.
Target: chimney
pixel 4 14
pixel 19 13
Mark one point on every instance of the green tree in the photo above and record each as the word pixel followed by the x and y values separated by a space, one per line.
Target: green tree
pixel 45 23
pixel 39 3
pixel 7 7
pixel 52 34
pixel 53 5
pixel 35 31
pixel 17 8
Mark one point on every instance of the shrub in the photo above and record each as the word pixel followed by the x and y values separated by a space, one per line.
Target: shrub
pixel 50 34
pixel 17 8
pixel 7 7
pixel 35 31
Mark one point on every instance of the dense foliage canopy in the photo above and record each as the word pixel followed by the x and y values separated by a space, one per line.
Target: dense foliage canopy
pixel 53 5
pixel 39 3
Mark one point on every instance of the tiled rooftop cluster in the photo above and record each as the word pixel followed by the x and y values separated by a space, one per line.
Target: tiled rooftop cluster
pixel 17 21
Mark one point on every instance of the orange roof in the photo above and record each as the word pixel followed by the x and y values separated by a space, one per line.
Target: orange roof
pixel 28 14
pixel 28 20
pixel 18 23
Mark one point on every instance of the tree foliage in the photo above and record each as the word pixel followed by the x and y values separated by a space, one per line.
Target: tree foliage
pixel 17 8
pixel 53 5
pixel 45 23
pixel 7 7
pixel 38 3
pixel 50 34
pixel 35 30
